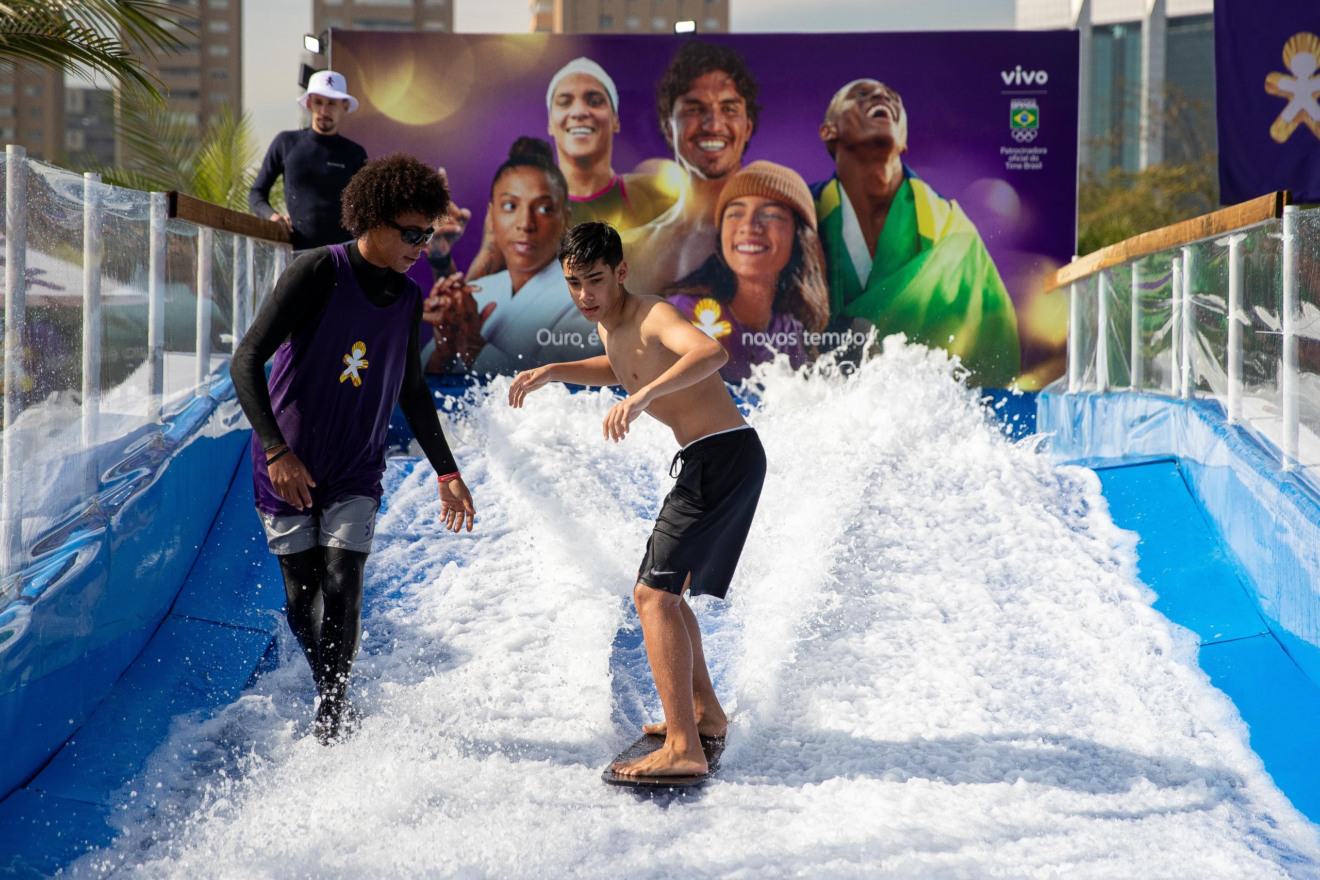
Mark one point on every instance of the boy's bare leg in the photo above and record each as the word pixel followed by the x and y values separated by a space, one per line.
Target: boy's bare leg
pixel 711 720
pixel 669 650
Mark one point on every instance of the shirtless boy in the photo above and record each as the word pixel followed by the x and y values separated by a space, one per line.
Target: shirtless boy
pixel 670 370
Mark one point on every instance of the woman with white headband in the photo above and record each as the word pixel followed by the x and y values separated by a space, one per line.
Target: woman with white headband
pixel 583 107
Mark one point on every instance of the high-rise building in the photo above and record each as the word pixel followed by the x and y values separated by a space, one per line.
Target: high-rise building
pixel 627 16
pixel 207 73
pixel 89 126
pixel 32 110
pixel 375 15
pixel 1147 78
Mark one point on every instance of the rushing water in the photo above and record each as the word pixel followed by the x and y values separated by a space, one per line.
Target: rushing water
pixel 936 655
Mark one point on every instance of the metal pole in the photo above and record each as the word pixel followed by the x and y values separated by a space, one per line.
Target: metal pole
pixel 205 246
pixel 92 314
pixel 236 294
pixel 156 306
pixel 1235 327
pixel 1175 330
pixel 1188 324
pixel 1288 369
pixel 1102 332
pixel 1074 357
pixel 250 282
pixel 11 513
pixel 1137 362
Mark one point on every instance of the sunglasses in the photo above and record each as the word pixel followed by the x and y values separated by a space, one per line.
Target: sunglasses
pixel 411 235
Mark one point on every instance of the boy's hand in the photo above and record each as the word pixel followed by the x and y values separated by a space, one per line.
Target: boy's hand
pixel 456 504
pixel 623 414
pixel 526 382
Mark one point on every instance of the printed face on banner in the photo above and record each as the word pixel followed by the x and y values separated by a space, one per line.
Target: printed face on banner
pixel 866 111
pixel 709 126
pixel 582 121
pixel 837 220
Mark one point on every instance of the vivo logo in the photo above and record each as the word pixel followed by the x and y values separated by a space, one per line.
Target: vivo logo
pixel 1019 77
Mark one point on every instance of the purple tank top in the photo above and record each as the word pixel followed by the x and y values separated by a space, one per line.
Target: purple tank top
pixel 333 387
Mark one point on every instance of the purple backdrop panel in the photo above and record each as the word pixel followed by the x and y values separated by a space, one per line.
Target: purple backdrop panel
pixel 992 124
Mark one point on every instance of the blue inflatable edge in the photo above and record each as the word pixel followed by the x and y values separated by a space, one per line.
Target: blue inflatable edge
pixel 1229 540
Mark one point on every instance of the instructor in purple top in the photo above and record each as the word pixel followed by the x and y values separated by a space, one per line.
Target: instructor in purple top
pixel 342 324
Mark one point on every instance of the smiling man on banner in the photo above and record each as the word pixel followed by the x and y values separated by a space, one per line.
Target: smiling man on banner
pixel 900 256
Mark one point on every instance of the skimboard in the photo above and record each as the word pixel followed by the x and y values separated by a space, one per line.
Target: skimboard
pixel 713 746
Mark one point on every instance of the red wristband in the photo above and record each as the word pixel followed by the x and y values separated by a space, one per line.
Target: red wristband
pixel 445 478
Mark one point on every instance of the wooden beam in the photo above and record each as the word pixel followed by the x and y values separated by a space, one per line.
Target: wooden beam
pixel 1221 222
pixel 186 207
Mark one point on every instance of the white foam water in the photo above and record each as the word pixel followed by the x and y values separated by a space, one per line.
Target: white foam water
pixel 937 657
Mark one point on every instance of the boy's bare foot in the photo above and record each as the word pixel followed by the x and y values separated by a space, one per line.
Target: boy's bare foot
pixel 665 762
pixel 706 727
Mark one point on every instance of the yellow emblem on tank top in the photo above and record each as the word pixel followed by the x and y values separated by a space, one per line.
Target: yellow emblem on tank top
pixel 356 360
pixel 706 315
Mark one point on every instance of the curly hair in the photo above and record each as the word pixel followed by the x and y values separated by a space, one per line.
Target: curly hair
pixel 691 61
pixel 801 290
pixel 390 186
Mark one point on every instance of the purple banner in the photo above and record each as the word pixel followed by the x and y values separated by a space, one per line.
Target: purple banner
pixel 991 146
pixel 1267 82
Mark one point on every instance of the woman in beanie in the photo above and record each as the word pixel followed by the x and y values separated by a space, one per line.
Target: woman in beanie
pixel 763 290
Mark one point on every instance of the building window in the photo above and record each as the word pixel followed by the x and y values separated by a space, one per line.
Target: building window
pixel 632 23
pixel 434 26
pixel 219 74
pixel 218 27
pixel 220 50
pixel 6 110
pixel 659 23
pixel 32 91
pixel 606 21
pixel 712 24
pixel 36 112
pixel 219 4
pixel 219 97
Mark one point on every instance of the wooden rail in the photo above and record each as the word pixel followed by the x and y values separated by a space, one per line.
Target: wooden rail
pixel 1225 220
pixel 186 207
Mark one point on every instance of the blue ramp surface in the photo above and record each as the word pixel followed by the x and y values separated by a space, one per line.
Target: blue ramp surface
pixel 1199 587
pixel 205 652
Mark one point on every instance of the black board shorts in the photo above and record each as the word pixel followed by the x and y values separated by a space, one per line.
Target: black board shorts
pixel 704 521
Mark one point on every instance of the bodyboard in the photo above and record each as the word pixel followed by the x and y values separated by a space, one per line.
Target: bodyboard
pixel 713 746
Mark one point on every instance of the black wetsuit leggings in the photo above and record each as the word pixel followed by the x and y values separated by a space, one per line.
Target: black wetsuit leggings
pixel 323 590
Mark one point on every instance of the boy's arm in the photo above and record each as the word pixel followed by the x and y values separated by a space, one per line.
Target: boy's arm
pixel 592 371
pixel 698 356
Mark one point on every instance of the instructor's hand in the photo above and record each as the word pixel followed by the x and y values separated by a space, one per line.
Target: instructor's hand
pixel 456 504
pixel 290 479
pixel 526 382
pixel 623 414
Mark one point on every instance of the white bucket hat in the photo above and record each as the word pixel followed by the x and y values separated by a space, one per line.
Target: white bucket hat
pixel 329 84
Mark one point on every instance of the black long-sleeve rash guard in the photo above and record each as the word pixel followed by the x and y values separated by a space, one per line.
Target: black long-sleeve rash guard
pixel 300 294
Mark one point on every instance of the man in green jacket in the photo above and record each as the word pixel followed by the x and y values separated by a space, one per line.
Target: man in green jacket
pixel 899 255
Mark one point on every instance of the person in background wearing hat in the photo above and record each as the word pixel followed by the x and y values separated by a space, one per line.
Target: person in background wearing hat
pixel 763 290
pixel 583 107
pixel 707 110
pixel 899 256
pixel 316 163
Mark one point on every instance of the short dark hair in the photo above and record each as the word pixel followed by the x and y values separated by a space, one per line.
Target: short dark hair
pixel 692 60
pixel 590 243
pixel 387 187
pixel 532 152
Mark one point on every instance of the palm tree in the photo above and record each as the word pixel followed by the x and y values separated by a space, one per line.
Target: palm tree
pixel 90 38
pixel 162 152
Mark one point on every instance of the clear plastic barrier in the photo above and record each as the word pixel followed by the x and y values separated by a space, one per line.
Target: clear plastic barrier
pixel 85 308
pixel 1206 320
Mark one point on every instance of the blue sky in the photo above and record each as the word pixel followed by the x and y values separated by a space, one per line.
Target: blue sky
pixel 273 30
